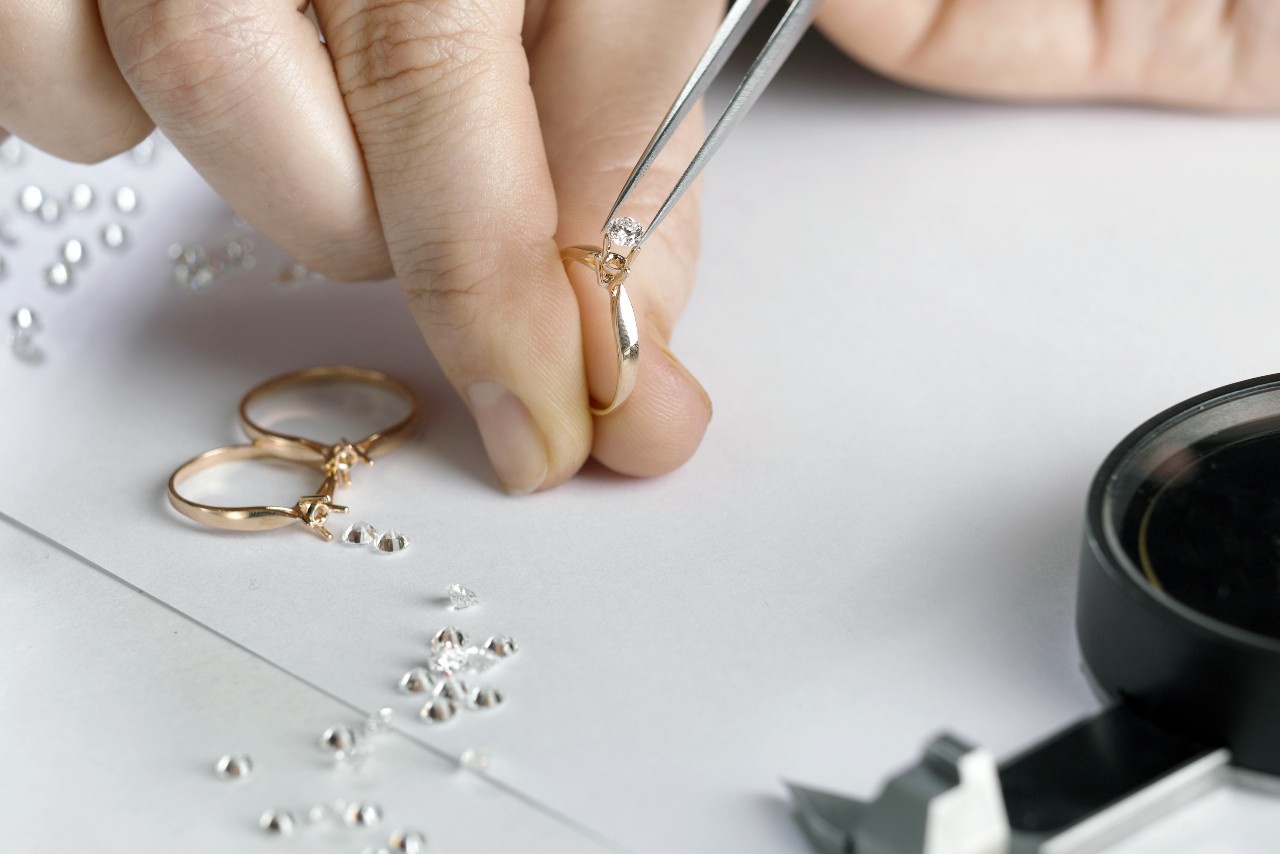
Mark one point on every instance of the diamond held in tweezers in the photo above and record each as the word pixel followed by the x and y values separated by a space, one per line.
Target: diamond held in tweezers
pixel 359 534
pixel 461 597
pixel 624 231
pixel 392 541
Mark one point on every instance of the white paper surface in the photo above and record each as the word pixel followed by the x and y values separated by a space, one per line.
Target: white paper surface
pixel 923 322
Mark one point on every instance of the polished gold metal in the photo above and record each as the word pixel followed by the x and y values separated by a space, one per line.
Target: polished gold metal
pixel 612 269
pixel 337 459
pixel 311 510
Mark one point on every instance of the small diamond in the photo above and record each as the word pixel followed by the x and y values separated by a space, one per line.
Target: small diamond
pixel 81 198
pixel 126 200
pixel 446 637
pixel 462 597
pixel 501 646
pixel 378 722
pixel 114 236
pixel 50 211
pixel 451 689
pixel 476 757
pixel 73 252
pixel 359 534
pixel 392 541
pixel 362 815
pixel 339 740
pixel 24 321
pixel 450 660
pixel 234 766
pixel 483 697
pixel 479 660
pixel 279 822
pixel 58 276
pixel 30 199
pixel 438 711
pixel 417 681
pixel 11 151
pixel 408 842
pixel 624 231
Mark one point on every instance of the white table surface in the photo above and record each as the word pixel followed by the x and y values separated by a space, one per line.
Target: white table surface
pixel 923 321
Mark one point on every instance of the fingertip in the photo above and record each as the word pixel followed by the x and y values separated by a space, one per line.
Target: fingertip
pixel 661 425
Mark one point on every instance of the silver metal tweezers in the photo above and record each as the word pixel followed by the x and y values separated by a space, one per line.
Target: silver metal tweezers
pixel 736 23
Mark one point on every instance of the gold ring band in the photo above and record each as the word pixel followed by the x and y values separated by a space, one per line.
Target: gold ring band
pixel 610 273
pixel 311 510
pixel 339 458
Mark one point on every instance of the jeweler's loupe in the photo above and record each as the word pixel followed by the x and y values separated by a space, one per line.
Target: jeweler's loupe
pixel 1178 618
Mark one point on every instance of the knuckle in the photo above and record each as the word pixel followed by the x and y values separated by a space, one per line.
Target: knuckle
pixel 450 284
pixel 173 52
pixel 388 50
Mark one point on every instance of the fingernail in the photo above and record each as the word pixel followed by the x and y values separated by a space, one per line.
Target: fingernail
pixel 706 398
pixel 511 438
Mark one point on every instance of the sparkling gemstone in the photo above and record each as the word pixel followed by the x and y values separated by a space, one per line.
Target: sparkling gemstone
pixel 438 710
pixel 408 842
pixel 451 689
pixel 81 198
pixel 624 231
pixel 484 697
pixel 24 321
pixel 378 722
pixel 126 200
pixel 114 235
pixel 58 276
pixel 30 199
pixel 392 541
pixel 234 766
pixel 359 534
pixel 479 660
pixel 417 681
pixel 462 597
pixel 446 637
pixel 339 740
pixel 476 757
pixel 279 822
pixel 362 815
pixel 501 646
pixel 72 252
pixel 450 660
pixel 50 211
pixel 11 151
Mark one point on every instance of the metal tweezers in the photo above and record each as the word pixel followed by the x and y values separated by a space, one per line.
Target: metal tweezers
pixel 740 18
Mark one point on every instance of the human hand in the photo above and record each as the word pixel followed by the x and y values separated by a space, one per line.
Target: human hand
pixel 1217 54
pixel 456 142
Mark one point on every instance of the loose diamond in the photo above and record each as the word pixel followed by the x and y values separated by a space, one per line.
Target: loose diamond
pixel 446 637
pixel 378 722
pixel 476 757
pixel 362 815
pixel 81 198
pixel 339 740
pixel 114 236
pixel 417 681
pixel 484 697
pixel 452 689
pixel 392 541
pixel 126 200
pixel 501 646
pixel 58 276
pixel 462 597
pixel 234 766
pixel 479 660
pixel 438 711
pixel 277 822
pixel 359 534
pixel 24 321
pixel 11 151
pixel 30 199
pixel 624 231
pixel 72 252
pixel 50 211
pixel 408 842
pixel 450 660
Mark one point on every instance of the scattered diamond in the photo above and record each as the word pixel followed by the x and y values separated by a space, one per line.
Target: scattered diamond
pixel 451 689
pixel 378 722
pixel 408 842
pixel 449 660
pixel 339 740
pixel 72 252
pixel 58 276
pixel 392 541
pixel 359 534
pixel 234 766
pixel 11 151
pixel 484 697
pixel 50 211
pixel 476 757
pixel 114 236
pixel 362 815
pixel 126 200
pixel 24 321
pixel 417 681
pixel 624 231
pixel 438 711
pixel 446 637
pixel 81 198
pixel 279 822
pixel 479 660
pixel 501 646
pixel 462 597
pixel 30 199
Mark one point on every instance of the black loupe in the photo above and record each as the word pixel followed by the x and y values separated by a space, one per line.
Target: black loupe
pixel 1178 613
